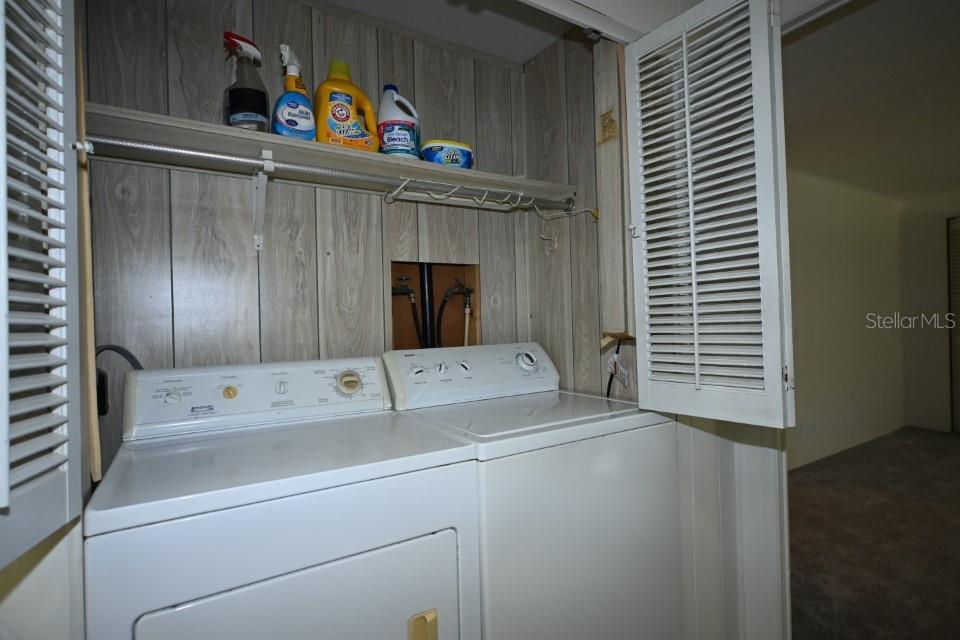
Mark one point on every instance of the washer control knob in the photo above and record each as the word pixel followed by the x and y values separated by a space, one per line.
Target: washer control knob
pixel 417 371
pixel 464 365
pixel 527 361
pixel 442 369
pixel 172 397
pixel 230 392
pixel 281 387
pixel 349 382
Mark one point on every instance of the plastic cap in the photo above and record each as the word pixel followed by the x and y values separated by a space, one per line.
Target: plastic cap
pixel 391 87
pixel 339 70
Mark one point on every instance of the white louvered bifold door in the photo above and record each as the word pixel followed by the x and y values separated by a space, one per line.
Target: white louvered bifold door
pixel 39 451
pixel 708 199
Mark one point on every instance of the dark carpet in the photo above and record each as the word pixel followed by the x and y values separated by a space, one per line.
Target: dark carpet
pixel 875 540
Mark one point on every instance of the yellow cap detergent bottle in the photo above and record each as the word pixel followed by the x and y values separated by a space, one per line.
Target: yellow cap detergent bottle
pixel 345 115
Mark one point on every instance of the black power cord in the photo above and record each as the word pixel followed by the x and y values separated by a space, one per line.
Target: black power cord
pixel 103 396
pixel 123 351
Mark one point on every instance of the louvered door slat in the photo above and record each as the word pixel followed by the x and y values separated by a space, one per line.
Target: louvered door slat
pixel 39 436
pixel 39 424
pixel 706 182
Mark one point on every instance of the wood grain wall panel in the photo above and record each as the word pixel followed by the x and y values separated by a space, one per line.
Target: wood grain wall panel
pixel 350 274
pixel 445 90
pixel 498 262
pixel 289 328
pixel 126 38
pixel 584 273
pixel 518 123
pixel 196 69
pixel 400 237
pixel 612 224
pixel 131 264
pixel 521 246
pixel 343 38
pixel 277 22
pixel 215 298
pixel 400 240
pixel 548 267
pixel 289 324
pixel 349 225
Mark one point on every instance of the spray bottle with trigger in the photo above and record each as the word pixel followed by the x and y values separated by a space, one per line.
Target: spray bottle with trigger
pixel 293 113
pixel 245 101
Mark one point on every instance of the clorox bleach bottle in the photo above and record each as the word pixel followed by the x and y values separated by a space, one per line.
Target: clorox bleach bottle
pixel 398 126
pixel 293 113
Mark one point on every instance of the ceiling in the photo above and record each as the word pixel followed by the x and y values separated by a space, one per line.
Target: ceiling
pixel 872 96
pixel 504 28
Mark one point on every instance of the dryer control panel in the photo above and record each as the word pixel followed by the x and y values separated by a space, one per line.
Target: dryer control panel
pixel 165 402
pixel 431 377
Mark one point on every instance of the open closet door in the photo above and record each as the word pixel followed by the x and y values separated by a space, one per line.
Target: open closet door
pixel 39 429
pixel 708 200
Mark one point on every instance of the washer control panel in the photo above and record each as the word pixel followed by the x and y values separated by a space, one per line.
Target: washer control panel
pixel 166 402
pixel 432 377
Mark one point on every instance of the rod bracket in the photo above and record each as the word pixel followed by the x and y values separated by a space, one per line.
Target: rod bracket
pixel 259 197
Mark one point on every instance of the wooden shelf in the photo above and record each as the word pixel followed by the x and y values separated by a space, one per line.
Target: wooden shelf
pixel 294 160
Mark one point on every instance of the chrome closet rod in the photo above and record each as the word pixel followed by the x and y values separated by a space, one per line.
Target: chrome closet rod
pixel 420 190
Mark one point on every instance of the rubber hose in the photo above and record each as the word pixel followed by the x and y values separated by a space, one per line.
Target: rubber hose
pixel 439 331
pixel 416 322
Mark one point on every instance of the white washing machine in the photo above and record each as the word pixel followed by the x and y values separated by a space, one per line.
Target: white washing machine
pixel 578 495
pixel 281 501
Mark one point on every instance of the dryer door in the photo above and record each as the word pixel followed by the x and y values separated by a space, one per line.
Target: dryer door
pixel 406 590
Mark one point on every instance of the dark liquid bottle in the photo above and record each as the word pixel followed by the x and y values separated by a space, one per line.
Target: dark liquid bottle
pixel 245 102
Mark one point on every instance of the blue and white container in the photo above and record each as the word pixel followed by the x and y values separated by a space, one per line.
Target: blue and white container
pixel 448 152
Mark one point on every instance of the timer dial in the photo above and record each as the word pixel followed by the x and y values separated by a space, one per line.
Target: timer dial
pixel 527 361
pixel 349 382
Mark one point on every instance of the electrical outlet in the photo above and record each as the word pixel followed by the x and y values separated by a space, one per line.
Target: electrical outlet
pixel 617 370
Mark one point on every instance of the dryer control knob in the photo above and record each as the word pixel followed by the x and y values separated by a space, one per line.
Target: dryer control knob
pixel 527 361
pixel 281 387
pixel 172 397
pixel 349 382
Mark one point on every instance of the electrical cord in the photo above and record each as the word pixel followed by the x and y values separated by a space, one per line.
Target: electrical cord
pixel 103 390
pixel 443 305
pixel 610 379
pixel 123 351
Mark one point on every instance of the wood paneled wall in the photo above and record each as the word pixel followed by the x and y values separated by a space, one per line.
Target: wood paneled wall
pixel 177 278
pixel 568 263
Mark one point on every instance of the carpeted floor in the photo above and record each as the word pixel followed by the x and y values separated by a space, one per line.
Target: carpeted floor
pixel 875 540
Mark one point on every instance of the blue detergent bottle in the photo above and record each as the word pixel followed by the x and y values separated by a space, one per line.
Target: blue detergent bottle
pixel 293 112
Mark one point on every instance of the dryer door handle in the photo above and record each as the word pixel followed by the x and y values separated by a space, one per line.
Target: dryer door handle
pixel 423 625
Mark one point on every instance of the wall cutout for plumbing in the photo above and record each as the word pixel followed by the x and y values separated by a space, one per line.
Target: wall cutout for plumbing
pixel 435 305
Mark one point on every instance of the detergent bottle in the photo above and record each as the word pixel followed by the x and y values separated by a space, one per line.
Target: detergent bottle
pixel 398 126
pixel 345 112
pixel 245 102
pixel 293 113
